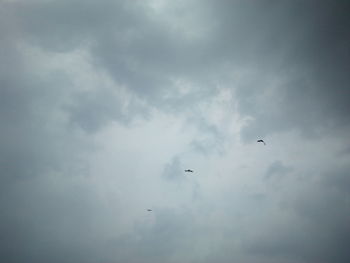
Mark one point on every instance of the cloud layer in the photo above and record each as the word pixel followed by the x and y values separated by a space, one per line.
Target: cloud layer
pixel 103 105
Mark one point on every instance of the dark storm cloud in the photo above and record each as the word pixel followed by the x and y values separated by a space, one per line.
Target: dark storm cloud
pixel 126 40
pixel 34 142
pixel 305 46
pixel 286 64
pixel 66 25
pixel 30 138
pixel 39 221
pixel 302 44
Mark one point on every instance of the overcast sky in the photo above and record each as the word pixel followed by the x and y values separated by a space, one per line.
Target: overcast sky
pixel 104 104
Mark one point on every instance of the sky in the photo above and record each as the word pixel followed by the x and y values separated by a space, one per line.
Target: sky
pixel 104 104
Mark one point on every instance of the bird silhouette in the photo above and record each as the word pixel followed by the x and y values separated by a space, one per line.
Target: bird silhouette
pixel 261 141
pixel 189 171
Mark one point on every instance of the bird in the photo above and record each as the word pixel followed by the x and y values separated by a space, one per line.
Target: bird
pixel 261 141
pixel 149 210
pixel 189 171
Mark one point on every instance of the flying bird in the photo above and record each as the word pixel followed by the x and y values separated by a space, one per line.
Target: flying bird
pixel 189 171
pixel 149 210
pixel 261 141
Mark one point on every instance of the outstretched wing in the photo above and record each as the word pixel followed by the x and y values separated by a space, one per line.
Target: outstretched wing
pixel 261 141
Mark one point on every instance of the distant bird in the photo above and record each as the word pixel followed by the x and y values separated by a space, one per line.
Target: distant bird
pixel 149 210
pixel 189 171
pixel 261 141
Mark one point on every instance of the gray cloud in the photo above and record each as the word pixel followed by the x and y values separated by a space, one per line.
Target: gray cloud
pixel 100 102
pixel 298 52
pixel 174 170
pixel 277 169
